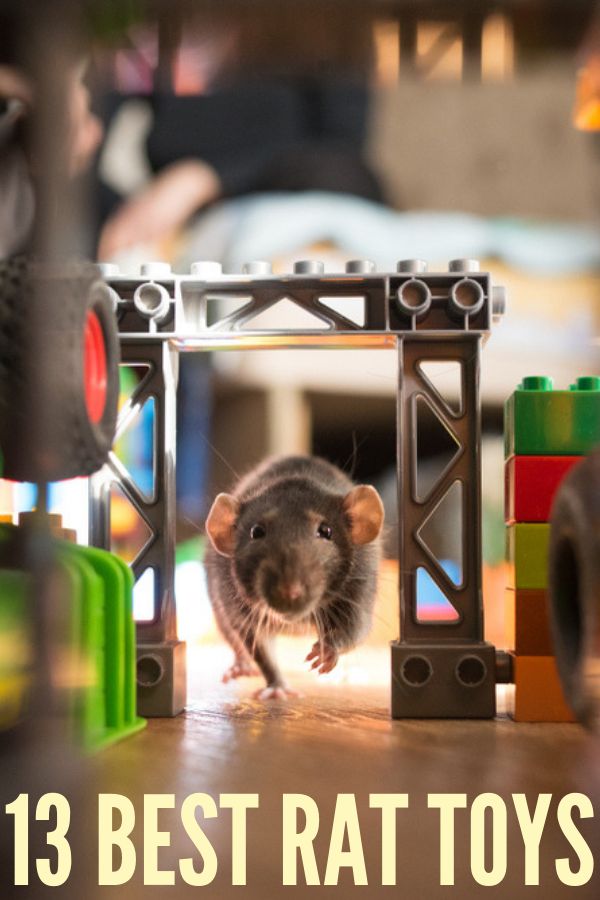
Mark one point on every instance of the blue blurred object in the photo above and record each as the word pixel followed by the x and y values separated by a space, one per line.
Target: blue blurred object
pixel 432 604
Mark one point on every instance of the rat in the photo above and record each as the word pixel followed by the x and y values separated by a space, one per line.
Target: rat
pixel 295 546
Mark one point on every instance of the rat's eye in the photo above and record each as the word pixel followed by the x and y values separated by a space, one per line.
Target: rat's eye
pixel 257 531
pixel 325 531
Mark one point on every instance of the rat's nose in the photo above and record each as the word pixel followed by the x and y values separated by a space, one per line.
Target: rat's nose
pixel 291 591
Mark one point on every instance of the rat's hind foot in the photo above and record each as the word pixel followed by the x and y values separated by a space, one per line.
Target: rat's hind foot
pixel 324 657
pixel 241 668
pixel 275 692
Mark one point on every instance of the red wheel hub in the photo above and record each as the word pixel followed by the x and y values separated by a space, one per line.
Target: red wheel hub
pixel 94 368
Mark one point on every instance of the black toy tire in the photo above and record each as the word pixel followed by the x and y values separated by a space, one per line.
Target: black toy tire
pixel 574 588
pixel 47 432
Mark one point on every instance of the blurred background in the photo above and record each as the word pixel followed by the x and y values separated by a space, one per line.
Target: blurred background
pixel 333 130
pixel 138 130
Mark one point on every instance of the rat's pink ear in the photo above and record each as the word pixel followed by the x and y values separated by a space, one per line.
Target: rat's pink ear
pixel 220 524
pixel 364 508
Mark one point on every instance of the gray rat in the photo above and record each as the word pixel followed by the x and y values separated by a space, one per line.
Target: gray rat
pixel 295 545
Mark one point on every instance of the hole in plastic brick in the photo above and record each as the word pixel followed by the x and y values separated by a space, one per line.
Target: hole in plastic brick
pixel 467 296
pixel 416 671
pixel 352 308
pixel 471 671
pixel 442 533
pixel 150 671
pixel 286 315
pixel 144 597
pixel 152 300
pixel 444 378
pixel 150 296
pixel 414 297
pixel 435 448
pixel 432 604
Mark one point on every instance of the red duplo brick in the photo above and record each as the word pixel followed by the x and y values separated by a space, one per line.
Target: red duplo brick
pixel 530 485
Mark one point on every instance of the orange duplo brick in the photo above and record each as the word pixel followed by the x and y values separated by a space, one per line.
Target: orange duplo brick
pixel 537 695
pixel 527 623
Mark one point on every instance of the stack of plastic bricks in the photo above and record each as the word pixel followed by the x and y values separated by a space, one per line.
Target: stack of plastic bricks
pixel 546 432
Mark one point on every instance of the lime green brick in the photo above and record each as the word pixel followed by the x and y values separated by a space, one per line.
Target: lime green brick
pixel 542 421
pixel 94 627
pixel 105 599
pixel 86 595
pixel 527 553
pixel 16 647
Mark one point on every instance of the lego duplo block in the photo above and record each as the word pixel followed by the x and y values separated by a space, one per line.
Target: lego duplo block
pixel 527 623
pixel 537 695
pixel 527 554
pixel 443 681
pixel 542 421
pixel 530 483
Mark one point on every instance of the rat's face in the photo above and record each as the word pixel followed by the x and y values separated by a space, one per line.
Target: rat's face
pixel 288 552
pixel 293 544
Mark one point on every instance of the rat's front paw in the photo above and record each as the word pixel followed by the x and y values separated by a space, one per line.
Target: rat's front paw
pixel 241 668
pixel 275 692
pixel 324 657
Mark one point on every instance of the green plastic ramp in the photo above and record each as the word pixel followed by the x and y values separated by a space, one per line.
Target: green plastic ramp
pixel 96 639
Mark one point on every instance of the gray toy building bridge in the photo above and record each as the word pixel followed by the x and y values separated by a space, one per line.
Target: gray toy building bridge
pixel 440 668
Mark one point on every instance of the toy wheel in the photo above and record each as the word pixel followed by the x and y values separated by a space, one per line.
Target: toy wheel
pixel 59 380
pixel 574 579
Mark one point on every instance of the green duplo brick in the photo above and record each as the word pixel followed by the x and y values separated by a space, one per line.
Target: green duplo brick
pixel 527 552
pixel 541 420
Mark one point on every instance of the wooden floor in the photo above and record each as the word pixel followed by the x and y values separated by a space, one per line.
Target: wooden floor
pixel 338 738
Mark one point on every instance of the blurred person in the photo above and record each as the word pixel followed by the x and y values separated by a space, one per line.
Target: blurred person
pixel 221 128
pixel 246 138
pixel 253 136
pixel 17 167
pixel 237 111
pixel 16 190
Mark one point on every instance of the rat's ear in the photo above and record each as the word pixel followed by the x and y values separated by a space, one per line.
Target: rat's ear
pixel 220 524
pixel 364 508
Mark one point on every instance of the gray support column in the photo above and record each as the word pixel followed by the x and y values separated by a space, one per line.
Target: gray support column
pixel 161 657
pixel 440 668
